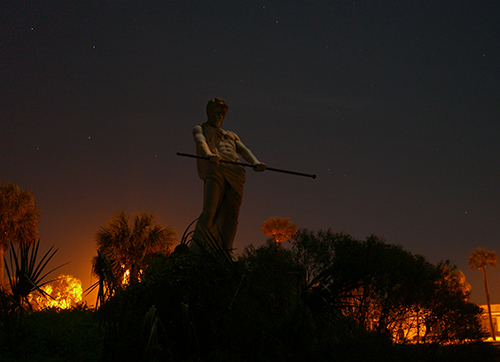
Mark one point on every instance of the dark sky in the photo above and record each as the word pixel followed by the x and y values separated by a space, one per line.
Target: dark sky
pixel 395 105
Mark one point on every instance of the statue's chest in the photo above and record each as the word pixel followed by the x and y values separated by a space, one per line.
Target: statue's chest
pixel 223 138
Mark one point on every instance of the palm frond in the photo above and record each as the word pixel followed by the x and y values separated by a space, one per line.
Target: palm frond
pixel 25 273
pixel 209 245
pixel 187 234
pixel 107 280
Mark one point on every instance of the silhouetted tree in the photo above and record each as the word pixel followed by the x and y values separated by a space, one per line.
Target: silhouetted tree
pixel 314 251
pixel 454 278
pixel 19 217
pixel 279 229
pixel 128 244
pixel 445 315
pixel 384 288
pixel 480 258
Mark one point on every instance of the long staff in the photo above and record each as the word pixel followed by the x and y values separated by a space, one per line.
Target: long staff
pixel 249 165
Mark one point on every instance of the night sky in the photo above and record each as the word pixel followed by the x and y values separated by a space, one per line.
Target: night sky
pixel 395 105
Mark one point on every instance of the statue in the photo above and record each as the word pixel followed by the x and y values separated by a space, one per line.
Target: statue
pixel 223 177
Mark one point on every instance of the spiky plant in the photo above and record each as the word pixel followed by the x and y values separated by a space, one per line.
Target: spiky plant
pixel 26 274
pixel 106 283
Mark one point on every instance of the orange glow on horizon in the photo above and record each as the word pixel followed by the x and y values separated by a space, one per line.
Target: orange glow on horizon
pixel 65 292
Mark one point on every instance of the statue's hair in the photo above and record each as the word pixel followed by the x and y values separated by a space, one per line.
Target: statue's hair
pixel 216 102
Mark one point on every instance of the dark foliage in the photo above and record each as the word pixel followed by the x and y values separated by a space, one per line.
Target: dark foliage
pixel 53 335
pixel 327 298
pixel 330 297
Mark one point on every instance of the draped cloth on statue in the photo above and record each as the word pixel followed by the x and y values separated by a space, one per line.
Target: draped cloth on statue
pixel 229 177
pixel 222 142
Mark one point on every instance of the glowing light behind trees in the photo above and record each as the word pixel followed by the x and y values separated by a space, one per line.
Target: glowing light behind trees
pixel 65 292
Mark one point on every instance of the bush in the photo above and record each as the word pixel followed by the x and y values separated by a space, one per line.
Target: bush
pixel 54 335
pixel 278 305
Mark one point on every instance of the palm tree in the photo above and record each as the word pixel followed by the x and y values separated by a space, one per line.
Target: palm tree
pixel 279 229
pixel 128 244
pixel 480 258
pixel 18 219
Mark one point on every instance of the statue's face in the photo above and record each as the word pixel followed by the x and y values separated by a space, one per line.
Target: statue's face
pixel 216 116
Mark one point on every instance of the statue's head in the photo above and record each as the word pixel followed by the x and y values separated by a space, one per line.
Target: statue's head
pixel 216 103
pixel 216 111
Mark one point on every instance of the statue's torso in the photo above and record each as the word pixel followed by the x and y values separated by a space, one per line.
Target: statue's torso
pixel 223 143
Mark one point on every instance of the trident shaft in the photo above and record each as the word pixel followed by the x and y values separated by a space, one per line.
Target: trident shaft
pixel 249 165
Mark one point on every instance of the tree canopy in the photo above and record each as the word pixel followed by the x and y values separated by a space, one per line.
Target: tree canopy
pixel 128 244
pixel 387 289
pixel 19 217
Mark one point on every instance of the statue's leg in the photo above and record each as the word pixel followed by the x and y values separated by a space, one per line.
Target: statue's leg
pixel 211 199
pixel 231 203
pixel 212 195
